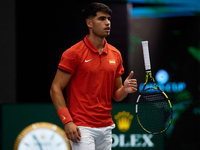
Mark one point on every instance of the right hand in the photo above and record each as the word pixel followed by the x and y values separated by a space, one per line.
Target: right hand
pixel 72 131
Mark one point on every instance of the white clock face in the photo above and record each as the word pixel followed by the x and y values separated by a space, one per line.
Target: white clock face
pixel 42 139
pixel 42 136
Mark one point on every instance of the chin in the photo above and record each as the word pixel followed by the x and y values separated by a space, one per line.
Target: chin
pixel 107 35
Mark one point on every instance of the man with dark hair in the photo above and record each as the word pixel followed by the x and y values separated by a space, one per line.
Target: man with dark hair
pixel 91 10
pixel 91 72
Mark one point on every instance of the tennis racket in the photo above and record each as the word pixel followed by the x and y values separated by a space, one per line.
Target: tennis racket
pixel 153 107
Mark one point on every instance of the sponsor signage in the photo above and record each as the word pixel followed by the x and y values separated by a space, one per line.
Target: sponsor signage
pixel 128 134
pixel 162 78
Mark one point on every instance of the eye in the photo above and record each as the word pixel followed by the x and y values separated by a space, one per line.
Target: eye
pixel 102 18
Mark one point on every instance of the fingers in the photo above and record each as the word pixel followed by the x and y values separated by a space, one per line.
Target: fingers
pixel 130 85
pixel 73 133
pixel 133 83
pixel 134 89
pixel 79 133
pixel 130 75
pixel 74 136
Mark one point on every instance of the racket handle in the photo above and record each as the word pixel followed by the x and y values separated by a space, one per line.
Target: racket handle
pixel 146 56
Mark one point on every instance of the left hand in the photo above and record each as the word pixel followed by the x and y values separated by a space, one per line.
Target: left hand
pixel 130 85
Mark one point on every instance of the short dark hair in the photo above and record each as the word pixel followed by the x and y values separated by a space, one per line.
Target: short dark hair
pixel 91 9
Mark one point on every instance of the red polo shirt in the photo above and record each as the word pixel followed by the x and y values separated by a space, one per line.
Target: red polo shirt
pixel 90 89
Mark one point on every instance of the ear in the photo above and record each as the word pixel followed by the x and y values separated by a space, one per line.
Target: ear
pixel 89 23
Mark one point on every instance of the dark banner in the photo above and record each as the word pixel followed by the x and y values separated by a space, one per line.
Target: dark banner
pixel 126 135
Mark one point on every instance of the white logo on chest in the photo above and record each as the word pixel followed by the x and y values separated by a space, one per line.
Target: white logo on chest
pixel 87 60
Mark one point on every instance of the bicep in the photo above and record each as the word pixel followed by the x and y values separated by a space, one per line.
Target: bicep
pixel 61 79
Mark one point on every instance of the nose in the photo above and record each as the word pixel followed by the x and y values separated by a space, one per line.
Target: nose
pixel 108 21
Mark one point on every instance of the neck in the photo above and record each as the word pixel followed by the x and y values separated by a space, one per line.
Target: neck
pixel 98 42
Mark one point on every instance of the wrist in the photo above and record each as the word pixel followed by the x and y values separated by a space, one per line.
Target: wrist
pixel 64 115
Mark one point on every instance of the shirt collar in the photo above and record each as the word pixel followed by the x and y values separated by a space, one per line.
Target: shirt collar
pixel 89 44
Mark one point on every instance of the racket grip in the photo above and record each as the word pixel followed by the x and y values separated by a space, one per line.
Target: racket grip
pixel 146 56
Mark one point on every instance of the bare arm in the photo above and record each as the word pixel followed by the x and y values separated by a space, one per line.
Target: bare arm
pixel 56 92
pixel 121 91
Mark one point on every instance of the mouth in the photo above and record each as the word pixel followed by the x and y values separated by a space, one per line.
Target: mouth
pixel 107 29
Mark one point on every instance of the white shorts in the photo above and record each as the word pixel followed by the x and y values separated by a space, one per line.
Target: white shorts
pixel 94 138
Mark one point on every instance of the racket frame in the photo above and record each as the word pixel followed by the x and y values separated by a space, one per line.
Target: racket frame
pixel 147 77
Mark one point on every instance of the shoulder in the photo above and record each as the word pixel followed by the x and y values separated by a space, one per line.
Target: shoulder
pixel 74 50
pixel 114 50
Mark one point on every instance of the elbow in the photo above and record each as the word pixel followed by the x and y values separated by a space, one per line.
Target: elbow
pixel 117 99
pixel 53 90
pixel 119 95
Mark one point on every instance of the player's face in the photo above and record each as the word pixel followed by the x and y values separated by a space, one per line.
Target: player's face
pixel 101 24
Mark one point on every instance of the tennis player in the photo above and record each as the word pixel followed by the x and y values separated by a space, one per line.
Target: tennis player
pixel 91 72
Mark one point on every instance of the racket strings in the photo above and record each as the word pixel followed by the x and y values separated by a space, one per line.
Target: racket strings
pixel 153 97
pixel 154 115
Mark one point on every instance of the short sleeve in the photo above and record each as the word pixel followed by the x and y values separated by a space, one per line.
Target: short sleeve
pixel 120 68
pixel 68 61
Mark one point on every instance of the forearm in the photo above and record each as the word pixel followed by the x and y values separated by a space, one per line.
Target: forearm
pixel 60 105
pixel 119 94
pixel 57 98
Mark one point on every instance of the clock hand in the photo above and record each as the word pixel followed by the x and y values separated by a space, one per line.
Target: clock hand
pixel 52 137
pixel 39 144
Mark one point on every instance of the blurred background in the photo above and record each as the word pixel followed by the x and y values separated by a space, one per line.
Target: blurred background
pixel 34 34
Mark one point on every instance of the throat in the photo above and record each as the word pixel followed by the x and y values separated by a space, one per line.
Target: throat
pixel 100 50
pixel 99 43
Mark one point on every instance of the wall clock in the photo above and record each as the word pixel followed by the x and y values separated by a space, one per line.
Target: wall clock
pixel 42 136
